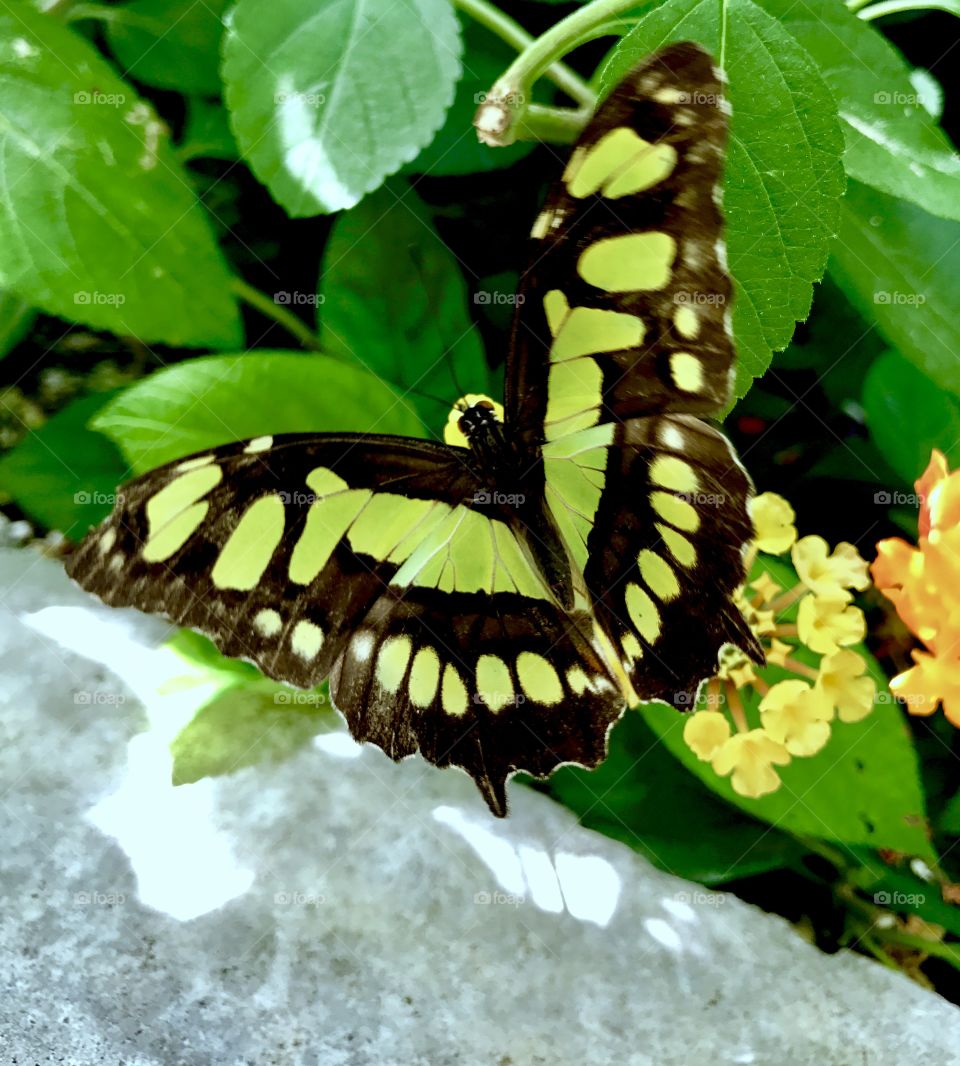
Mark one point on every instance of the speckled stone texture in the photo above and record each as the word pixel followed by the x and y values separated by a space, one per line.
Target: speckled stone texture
pixel 339 910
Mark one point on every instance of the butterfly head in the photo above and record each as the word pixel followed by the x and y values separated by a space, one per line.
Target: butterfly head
pixel 469 416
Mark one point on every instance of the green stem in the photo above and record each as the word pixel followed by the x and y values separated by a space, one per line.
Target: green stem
pixel 948 952
pixel 108 14
pixel 723 34
pixel 895 7
pixel 501 114
pixel 271 309
pixel 512 33
pixel 558 41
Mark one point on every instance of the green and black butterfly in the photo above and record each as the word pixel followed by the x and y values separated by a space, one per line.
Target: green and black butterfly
pixel 497 605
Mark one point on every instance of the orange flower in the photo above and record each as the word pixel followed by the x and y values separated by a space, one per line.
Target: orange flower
pixel 923 583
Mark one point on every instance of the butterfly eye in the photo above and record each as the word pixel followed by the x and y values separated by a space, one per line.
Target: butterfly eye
pixel 486 404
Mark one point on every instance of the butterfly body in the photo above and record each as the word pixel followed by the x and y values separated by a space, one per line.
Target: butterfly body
pixel 497 601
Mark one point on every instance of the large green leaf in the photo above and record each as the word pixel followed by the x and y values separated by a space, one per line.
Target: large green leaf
pixel 641 795
pixel 172 44
pixel 908 415
pixel 206 402
pixel 456 148
pixel 783 176
pixel 893 144
pixel 63 474
pixel 97 221
pixel 862 788
pixel 898 265
pixel 328 97
pixel 395 301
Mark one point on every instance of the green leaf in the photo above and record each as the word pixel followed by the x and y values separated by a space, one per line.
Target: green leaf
pixel 171 44
pixel 862 788
pixel 908 415
pixel 329 97
pixel 246 724
pixel 223 398
pixel 642 796
pixel 456 149
pixel 16 319
pixel 783 175
pixel 892 143
pixel 395 301
pixel 950 818
pixel 207 132
pixel 98 223
pixel 898 265
pixel 902 891
pixel 63 474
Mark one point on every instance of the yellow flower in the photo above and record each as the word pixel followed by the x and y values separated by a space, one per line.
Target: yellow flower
pixel 796 716
pixel 773 522
pixel 826 574
pixel 845 684
pixel 705 733
pixel 825 624
pixel 751 757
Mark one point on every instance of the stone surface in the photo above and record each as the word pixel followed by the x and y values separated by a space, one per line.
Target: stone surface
pixel 339 910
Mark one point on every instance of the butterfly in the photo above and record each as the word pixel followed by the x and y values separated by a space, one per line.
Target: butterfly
pixel 497 601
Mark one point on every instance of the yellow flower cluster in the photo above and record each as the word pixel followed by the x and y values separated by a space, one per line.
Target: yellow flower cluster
pixel 795 712
pixel 924 585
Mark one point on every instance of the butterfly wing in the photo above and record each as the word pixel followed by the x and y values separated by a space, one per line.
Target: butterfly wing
pixel 622 338
pixel 380 563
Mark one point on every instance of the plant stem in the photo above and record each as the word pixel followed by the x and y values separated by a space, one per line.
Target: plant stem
pixel 894 7
pixel 513 34
pixel 558 41
pixel 948 952
pixel 271 309
pixel 723 34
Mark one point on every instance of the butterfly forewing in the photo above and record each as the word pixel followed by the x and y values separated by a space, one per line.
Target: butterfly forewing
pixel 627 296
pixel 366 560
